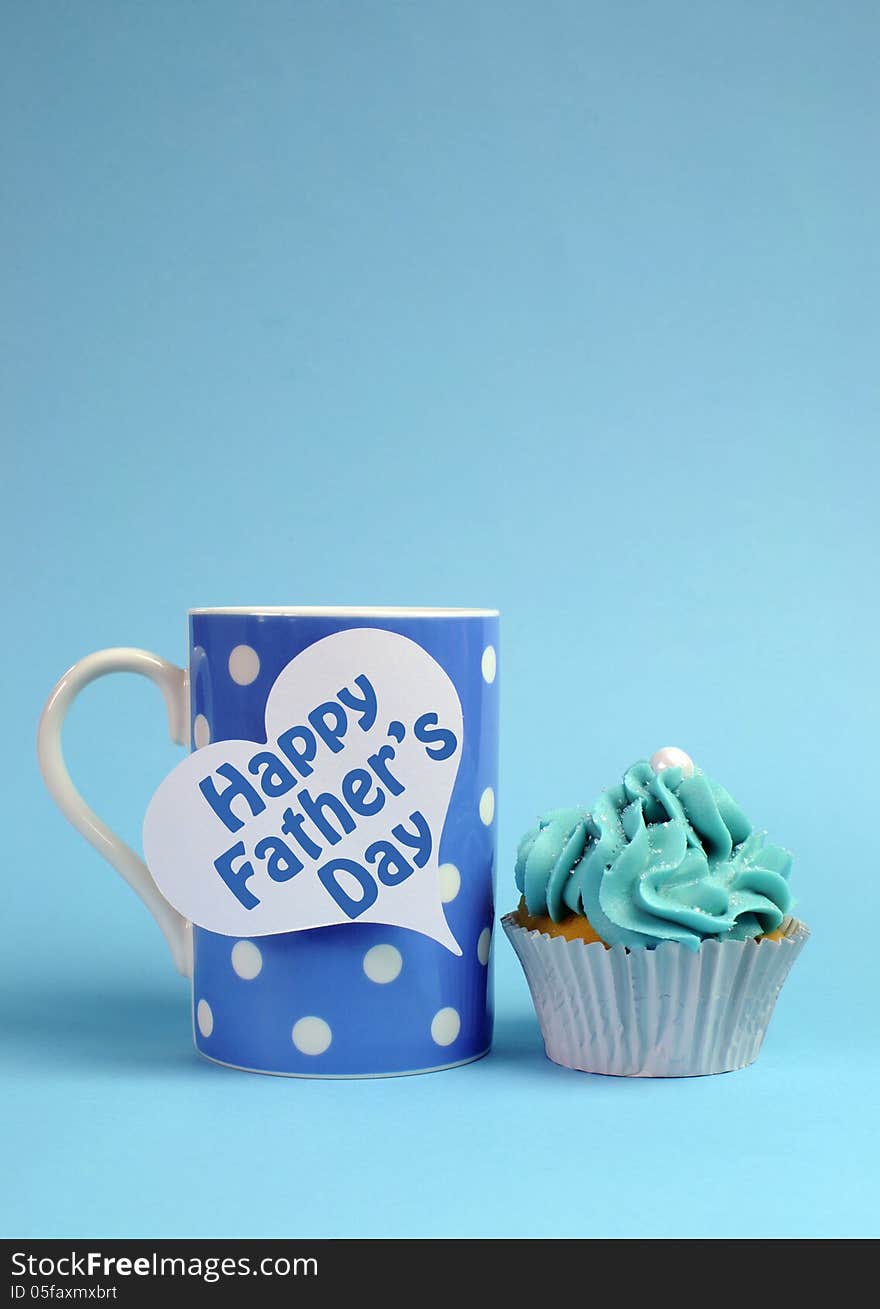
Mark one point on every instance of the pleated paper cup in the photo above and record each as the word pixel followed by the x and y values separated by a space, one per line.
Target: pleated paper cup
pixel 666 1012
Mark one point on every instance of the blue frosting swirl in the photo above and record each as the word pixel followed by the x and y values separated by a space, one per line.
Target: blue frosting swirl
pixel 659 857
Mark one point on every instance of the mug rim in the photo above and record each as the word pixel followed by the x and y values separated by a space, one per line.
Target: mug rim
pixel 345 611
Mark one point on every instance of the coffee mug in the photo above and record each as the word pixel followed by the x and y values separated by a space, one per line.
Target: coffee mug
pixel 358 999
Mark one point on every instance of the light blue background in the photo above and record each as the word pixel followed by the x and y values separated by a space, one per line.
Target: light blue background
pixel 565 307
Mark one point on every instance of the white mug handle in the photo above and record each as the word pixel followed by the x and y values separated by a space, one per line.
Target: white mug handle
pixel 173 682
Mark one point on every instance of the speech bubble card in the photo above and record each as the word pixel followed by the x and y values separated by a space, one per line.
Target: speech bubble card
pixel 337 818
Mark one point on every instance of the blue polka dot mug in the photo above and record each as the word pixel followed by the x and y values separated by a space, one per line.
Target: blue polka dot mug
pixel 360 999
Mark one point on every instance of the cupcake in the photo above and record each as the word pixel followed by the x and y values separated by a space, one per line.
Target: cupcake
pixel 654 929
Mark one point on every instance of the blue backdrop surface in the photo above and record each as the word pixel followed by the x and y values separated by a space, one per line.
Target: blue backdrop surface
pixel 569 309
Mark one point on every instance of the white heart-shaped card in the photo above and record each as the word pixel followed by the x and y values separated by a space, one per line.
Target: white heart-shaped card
pixel 338 817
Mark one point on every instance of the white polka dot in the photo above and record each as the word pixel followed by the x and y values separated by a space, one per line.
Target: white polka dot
pixel 489 664
pixel 204 1018
pixel 244 665
pixel 483 945
pixel 382 963
pixel 201 732
pixel 487 806
pixel 445 1026
pixel 247 960
pixel 450 882
pixel 311 1035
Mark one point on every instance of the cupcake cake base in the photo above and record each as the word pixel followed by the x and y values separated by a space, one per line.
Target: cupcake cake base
pixel 664 1012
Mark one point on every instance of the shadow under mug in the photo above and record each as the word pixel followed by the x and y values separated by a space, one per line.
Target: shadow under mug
pixel 357 1000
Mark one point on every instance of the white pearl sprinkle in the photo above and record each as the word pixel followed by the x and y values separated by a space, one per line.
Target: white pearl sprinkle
pixel 671 757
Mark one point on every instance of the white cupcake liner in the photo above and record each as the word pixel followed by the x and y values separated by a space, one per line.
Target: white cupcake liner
pixel 666 1012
